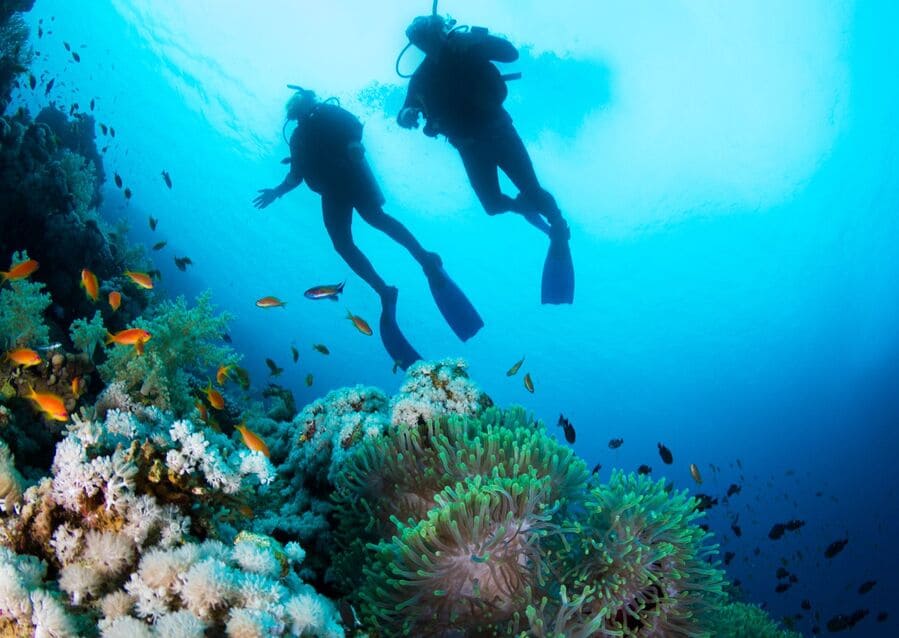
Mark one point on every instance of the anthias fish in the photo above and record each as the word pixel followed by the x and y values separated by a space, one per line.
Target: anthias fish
pixel 24 357
pixel 528 383
pixel 142 279
pixel 223 374
pixel 328 291
pixel 251 439
pixel 129 337
pixel 51 405
pixel 270 302
pixel 359 323
pixel 214 397
pixel 90 284
pixel 22 270
pixel 115 300
pixel 511 372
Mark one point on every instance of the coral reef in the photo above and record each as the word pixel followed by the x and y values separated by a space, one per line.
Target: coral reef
pixel 433 388
pixel 186 343
pixel 22 307
pixel 741 620
pixel 15 52
pixel 638 565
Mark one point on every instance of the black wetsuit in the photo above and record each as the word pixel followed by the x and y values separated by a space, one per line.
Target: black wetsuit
pixel 326 152
pixel 461 94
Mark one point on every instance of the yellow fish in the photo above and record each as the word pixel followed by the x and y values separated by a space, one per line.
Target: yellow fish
pixel 77 387
pixel 216 400
pixel 223 374
pixel 251 439
pixel 21 270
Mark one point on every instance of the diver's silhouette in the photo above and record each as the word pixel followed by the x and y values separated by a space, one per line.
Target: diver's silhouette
pixel 326 151
pixel 460 93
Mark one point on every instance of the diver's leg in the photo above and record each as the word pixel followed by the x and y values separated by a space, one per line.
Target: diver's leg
pixel 481 168
pixel 513 158
pixel 393 228
pixel 338 217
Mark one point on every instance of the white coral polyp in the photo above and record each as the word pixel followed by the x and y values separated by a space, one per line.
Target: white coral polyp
pixel 180 624
pixel 79 581
pixel 109 552
pixel 205 588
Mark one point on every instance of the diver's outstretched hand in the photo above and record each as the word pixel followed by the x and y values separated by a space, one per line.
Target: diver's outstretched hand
pixel 408 117
pixel 266 197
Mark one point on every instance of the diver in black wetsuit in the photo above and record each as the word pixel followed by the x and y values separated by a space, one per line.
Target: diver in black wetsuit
pixel 326 151
pixel 460 93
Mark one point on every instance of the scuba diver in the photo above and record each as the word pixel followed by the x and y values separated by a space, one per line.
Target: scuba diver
pixel 460 93
pixel 326 151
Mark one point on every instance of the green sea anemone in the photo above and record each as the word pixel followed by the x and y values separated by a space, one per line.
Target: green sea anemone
pixel 638 566
pixel 741 620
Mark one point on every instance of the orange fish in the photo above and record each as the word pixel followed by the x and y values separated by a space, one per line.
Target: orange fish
pixel 128 337
pixel 90 284
pixel 270 302
pixel 77 387
pixel 50 404
pixel 115 300
pixel 251 439
pixel 24 357
pixel 142 279
pixel 223 374
pixel 201 408
pixel 528 383
pixel 360 323
pixel 19 271
pixel 215 398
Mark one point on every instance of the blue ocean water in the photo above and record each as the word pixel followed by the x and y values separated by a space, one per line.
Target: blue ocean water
pixel 730 176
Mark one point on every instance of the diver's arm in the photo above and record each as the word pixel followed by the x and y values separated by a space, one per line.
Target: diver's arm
pixel 268 195
pixel 412 106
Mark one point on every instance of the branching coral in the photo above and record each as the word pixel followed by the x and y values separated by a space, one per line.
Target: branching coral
pixel 22 307
pixel 87 335
pixel 638 565
pixel 186 343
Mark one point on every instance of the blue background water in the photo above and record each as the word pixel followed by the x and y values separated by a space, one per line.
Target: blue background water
pixel 730 175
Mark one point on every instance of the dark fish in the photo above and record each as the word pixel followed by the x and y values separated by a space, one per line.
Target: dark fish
pixel 703 526
pixel 511 372
pixel 226 337
pixel 733 489
pixel 159 245
pixel 782 587
pixel 182 263
pixel 243 377
pixel 794 578
pixel 665 453
pixel 858 615
pixel 49 86
pixel 866 586
pixel 614 444
pixel 644 469
pixel 326 291
pixel 597 468
pixel 794 524
pixel 274 370
pixel 32 81
pixel 777 531
pixel 882 616
pixel 728 556
pixel 736 529
pixel 835 548
pixel 40 32
pixel 320 347
pixel 782 572
pixel 309 379
pixel 816 630
pixel 295 353
pixel 167 178
pixel 806 604
pixel 93 104
pixel 127 193
pixel 103 128
pixel 528 382
pixel 118 180
pixel 153 221
pixel 112 131
pixel 567 428
pixel 67 46
pixel 104 149
pixel 704 502
pixel 75 56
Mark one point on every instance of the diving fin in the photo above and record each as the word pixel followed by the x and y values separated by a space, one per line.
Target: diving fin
pixel 399 349
pixel 558 271
pixel 455 307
